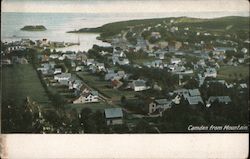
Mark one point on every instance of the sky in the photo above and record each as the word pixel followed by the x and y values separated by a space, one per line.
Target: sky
pixel 116 6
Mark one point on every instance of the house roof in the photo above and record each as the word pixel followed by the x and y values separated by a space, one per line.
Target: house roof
pixel 138 83
pixel 113 113
pixel 222 99
pixel 64 75
pixel 243 85
pixel 194 100
pixel 63 82
pixel 99 64
pixel 194 92
pixel 180 91
pixel 94 93
pixel 162 101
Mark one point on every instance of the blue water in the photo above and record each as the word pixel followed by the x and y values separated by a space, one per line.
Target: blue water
pixel 58 24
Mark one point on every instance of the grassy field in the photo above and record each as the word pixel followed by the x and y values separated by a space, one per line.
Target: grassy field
pixel 233 72
pixel 93 106
pixel 20 81
pixel 102 86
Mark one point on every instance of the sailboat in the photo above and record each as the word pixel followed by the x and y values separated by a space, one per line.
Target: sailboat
pixel 78 42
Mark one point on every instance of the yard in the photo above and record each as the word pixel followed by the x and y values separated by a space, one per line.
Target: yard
pixel 20 81
pixel 93 106
pixel 102 86
pixel 233 72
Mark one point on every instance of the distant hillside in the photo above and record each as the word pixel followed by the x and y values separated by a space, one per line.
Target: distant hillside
pixel 34 28
pixel 232 22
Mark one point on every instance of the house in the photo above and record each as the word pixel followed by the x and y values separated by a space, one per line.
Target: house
pixel 52 64
pixel 173 29
pixel 87 97
pixel 241 60
pixel 115 60
pixel 109 75
pixel 119 42
pixel 194 100
pixel 244 50
pixel 54 56
pixel 157 63
pixel 177 99
pixel 156 107
pixel 81 56
pixel 141 44
pixel 222 50
pixel 161 56
pixel 117 53
pixel 210 72
pixel 75 84
pixel 163 103
pixel 70 55
pixel 116 83
pixel 124 61
pixel 156 35
pixel 46 68
pixel 243 85
pixel 121 74
pixel 174 46
pixel 201 79
pixel 223 82
pixel 163 44
pixel 220 99
pixel 89 62
pixel 79 68
pixel 175 61
pixel 152 107
pixel 114 116
pixel 61 57
pixel 57 71
pixel 63 76
pixel 93 68
pixel 139 85
pixel 64 82
pixel 22 60
pixel 100 66
pixel 191 95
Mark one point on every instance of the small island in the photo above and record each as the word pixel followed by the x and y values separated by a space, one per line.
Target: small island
pixel 34 28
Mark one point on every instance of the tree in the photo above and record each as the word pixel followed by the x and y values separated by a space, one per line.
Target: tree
pixel 123 100
pixel 143 127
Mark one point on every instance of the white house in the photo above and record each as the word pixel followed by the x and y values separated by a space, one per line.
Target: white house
pixel 139 85
pixel 244 50
pixel 100 66
pixel 79 68
pixel 175 61
pixel 210 72
pixel 54 56
pixel 87 97
pixel 124 61
pixel 156 35
pixel 63 76
pixel 57 71
pixel 157 63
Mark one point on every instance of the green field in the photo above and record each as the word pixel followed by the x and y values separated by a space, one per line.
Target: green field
pixel 93 106
pixel 20 81
pixel 233 72
pixel 102 86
